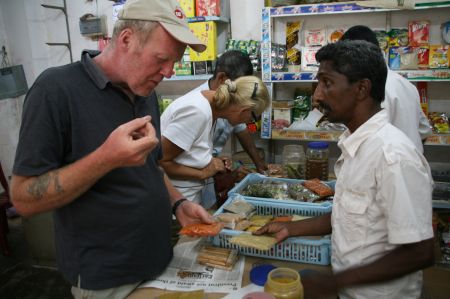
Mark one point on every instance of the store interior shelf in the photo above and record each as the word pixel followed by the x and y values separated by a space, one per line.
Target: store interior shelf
pixel 412 75
pixel 438 139
pixel 341 8
pixel 208 18
pixel 321 135
pixel 440 204
pixel 283 134
pixel 189 77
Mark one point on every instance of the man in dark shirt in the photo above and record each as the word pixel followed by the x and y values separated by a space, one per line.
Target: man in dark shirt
pixel 89 150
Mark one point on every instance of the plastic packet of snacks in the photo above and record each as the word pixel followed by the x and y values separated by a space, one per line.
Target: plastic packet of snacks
pixel 439 122
pixel 403 58
pixel 383 38
pixel 439 56
pixel 309 62
pixel 398 37
pixel 335 34
pixel 315 37
pixel 419 33
pixel 423 55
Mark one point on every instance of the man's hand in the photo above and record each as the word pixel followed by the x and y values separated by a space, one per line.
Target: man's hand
pixel 318 285
pixel 130 143
pixel 215 165
pixel 189 212
pixel 280 229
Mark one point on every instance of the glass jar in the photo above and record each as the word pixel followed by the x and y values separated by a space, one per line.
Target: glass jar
pixel 294 161
pixel 284 283
pixel 317 160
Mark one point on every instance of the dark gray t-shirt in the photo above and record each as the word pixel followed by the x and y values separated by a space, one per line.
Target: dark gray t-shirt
pixel 117 232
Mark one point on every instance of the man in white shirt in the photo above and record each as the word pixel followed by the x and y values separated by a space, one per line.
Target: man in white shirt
pixel 402 99
pixel 380 223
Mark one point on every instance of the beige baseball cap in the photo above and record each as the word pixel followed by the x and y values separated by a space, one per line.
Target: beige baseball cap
pixel 168 13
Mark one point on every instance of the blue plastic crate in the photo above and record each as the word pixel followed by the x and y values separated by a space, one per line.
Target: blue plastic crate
pixel 254 178
pixel 295 249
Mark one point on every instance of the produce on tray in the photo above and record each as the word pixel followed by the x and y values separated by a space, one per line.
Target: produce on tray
pixel 309 191
pixel 201 229
pixel 267 189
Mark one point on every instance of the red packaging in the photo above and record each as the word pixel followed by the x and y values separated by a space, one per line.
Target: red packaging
pixel 205 8
pixel 423 55
pixel 422 87
pixel 418 33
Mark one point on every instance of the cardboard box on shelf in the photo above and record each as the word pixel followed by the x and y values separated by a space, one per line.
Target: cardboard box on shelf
pixel 207 8
pixel 188 7
pixel 207 33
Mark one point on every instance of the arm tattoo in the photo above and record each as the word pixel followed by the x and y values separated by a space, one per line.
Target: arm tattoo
pixel 39 187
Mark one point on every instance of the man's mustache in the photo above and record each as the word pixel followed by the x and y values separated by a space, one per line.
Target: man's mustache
pixel 324 106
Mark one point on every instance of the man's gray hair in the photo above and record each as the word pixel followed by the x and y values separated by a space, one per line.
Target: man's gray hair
pixel 142 28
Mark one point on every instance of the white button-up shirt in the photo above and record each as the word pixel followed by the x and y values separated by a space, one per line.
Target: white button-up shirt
pixel 402 101
pixel 382 199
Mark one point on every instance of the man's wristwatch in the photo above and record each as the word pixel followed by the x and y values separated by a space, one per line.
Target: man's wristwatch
pixel 177 204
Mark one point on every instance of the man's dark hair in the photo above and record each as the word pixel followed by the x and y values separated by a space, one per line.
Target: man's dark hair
pixel 357 59
pixel 361 32
pixel 234 64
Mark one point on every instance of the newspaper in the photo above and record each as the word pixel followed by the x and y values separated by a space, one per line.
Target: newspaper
pixel 185 274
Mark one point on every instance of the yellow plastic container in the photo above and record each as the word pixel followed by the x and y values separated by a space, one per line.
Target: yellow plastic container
pixel 284 283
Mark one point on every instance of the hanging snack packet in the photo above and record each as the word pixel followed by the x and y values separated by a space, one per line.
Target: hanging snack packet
pixel 398 37
pixel 439 56
pixel 394 58
pixel 315 37
pixel 419 33
pixel 408 58
pixel 383 39
pixel 423 55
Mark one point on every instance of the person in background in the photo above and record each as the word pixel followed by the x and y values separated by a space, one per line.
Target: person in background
pixel 380 223
pixel 230 65
pixel 402 99
pixel 89 149
pixel 187 157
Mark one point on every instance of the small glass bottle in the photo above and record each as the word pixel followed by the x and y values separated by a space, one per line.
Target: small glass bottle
pixel 294 161
pixel 317 160
pixel 284 283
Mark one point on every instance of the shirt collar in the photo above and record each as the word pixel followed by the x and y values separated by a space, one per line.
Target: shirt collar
pixel 350 142
pixel 93 70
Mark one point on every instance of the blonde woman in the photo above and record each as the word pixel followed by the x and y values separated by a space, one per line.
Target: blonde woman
pixel 187 129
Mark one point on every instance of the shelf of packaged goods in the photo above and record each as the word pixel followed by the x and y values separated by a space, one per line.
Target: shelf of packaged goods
pixel 438 139
pixel 208 18
pixel 306 135
pixel 189 77
pixel 441 204
pixel 412 75
pixel 426 75
pixel 342 8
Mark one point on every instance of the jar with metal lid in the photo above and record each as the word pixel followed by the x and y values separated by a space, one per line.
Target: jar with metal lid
pixel 317 160
pixel 284 283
